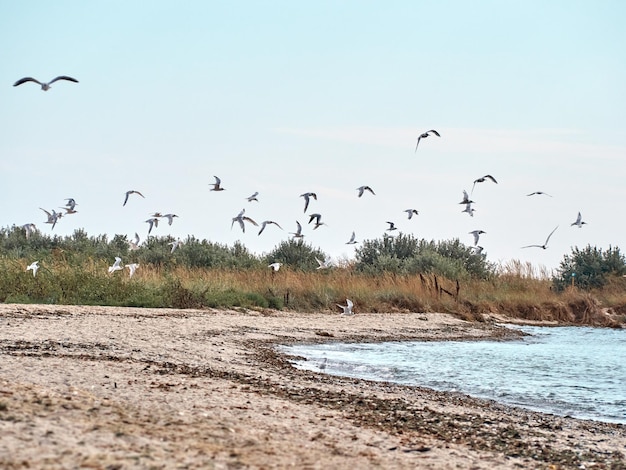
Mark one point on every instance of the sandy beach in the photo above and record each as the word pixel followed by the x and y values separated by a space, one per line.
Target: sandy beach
pixel 125 388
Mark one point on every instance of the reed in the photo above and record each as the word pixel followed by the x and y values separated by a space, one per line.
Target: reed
pixel 518 290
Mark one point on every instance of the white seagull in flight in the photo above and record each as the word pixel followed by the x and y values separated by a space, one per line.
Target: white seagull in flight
pixel 318 220
pixel 134 244
pixel 362 189
pixel 579 221
pixel 476 250
pixel 545 245
pixel 29 229
pixel 154 222
pixel 347 309
pixel 327 263
pixel 411 212
pixel 169 217
pixel 476 234
pixel 175 244
pixel 241 219
pixel 34 266
pixel 132 268
pixel 297 233
pixel 52 217
pixel 266 223
pixel 116 266
pixel 128 193
pixel 482 179
pixel 466 199
pixel 307 197
pixel 217 185
pixel 469 209
pixel 275 266
pixel 71 204
pixel 426 134
pixel 45 86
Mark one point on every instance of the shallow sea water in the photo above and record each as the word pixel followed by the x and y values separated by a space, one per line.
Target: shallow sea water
pixel 568 371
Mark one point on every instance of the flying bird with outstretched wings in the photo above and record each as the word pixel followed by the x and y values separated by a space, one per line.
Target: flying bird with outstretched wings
pixel 426 134
pixel 545 245
pixel 44 86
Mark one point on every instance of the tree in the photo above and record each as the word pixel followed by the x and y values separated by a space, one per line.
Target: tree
pixel 590 267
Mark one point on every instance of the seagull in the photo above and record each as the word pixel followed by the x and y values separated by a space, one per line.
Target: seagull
pixel 322 365
pixel 253 197
pixel 268 222
pixel 327 263
pixel 352 240
pixel 128 193
pixel 156 214
pixel 411 212
pixel 68 210
pixel 175 244
pixel 52 217
pixel 466 199
pixel 392 227
pixel 482 179
pixel 116 266
pixel 132 268
pixel 476 234
pixel 477 250
pixel 307 197
pixel 347 309
pixel 241 218
pixel 154 222
pixel 579 221
pixel 29 229
pixel 545 245
pixel 170 218
pixel 538 193
pixel 275 266
pixel 71 203
pixel 318 218
pixel 45 86
pixel 134 244
pixel 298 233
pixel 34 266
pixel 469 209
pixel 362 189
pixel 426 134
pixel 216 185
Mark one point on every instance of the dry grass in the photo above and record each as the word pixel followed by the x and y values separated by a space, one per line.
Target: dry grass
pixel 525 294
pixel 519 290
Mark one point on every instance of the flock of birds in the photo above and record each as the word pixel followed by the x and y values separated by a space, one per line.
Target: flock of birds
pixel 242 220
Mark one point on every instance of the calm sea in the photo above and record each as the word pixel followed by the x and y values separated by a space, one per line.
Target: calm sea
pixel 569 371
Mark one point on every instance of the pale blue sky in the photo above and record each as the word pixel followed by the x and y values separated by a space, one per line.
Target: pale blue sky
pixel 285 97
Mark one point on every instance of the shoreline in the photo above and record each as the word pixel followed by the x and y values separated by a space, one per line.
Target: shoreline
pixel 313 356
pixel 105 386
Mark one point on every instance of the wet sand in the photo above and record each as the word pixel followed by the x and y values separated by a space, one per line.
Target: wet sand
pixel 120 388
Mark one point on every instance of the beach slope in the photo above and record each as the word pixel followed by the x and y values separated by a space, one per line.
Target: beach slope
pixel 109 387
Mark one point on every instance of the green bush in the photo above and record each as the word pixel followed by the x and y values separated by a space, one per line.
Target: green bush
pixel 590 268
pixel 296 254
pixel 405 254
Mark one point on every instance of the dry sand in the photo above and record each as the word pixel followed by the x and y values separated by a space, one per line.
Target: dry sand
pixel 124 388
